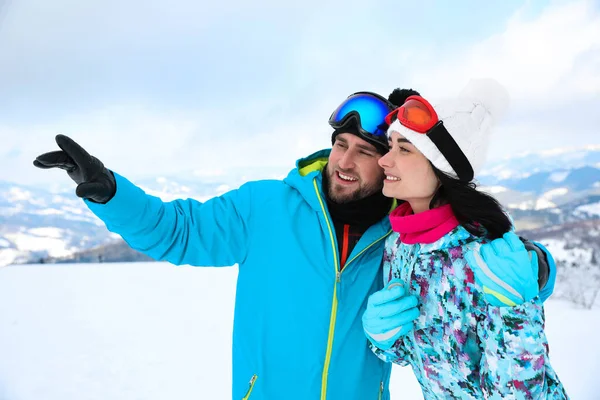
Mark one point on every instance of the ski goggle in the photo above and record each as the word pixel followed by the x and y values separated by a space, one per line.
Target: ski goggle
pixel 368 110
pixel 418 115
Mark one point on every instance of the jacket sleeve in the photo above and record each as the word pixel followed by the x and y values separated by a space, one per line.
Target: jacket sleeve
pixel 183 232
pixel 397 354
pixel 514 351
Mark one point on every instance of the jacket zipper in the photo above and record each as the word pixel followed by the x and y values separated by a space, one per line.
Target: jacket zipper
pixel 381 391
pixel 250 387
pixel 338 276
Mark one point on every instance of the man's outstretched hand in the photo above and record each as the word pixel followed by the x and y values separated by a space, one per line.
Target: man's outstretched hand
pixel 94 181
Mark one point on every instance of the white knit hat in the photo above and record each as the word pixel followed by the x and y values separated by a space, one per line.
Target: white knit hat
pixel 468 118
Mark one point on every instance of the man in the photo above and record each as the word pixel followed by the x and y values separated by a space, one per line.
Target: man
pixel 309 250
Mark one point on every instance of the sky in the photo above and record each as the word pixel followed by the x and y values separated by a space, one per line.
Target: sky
pixel 153 88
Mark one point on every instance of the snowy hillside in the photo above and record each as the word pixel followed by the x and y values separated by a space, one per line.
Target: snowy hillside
pixel 37 223
pixel 155 332
pixel 544 180
pixel 545 190
pixel 49 223
pixel 576 249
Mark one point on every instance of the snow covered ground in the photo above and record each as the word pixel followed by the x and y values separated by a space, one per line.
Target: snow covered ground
pixel 153 331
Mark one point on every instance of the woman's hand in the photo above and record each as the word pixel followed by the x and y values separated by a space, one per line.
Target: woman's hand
pixel 389 315
pixel 506 271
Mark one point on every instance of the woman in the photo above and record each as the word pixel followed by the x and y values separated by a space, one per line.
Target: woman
pixel 462 345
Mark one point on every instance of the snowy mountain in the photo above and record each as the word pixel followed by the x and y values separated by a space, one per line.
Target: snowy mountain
pixel 550 187
pixel 52 224
pixel 545 189
pixel 35 223
pixel 525 164
pixel 535 181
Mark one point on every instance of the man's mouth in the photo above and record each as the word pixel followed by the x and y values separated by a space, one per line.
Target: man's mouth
pixel 345 178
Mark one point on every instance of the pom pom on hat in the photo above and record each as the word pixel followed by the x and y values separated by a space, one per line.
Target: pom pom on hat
pixel 490 94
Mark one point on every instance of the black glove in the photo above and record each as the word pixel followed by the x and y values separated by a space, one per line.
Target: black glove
pixel 544 268
pixel 94 181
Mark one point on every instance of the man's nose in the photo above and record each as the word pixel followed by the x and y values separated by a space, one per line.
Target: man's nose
pixel 347 161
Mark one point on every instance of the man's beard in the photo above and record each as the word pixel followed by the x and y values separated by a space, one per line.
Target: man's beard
pixel 360 193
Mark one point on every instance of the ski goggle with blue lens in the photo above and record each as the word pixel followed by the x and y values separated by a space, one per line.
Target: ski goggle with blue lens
pixel 368 110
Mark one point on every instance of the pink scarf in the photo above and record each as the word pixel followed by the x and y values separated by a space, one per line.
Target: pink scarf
pixel 425 227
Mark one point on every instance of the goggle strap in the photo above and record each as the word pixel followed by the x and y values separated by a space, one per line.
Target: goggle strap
pixel 446 144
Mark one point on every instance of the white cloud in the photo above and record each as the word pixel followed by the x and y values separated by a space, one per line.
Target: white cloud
pixel 558 51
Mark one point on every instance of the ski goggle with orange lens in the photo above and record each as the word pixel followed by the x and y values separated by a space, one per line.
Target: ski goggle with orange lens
pixel 418 115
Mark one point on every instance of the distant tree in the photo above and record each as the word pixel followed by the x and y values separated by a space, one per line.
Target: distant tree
pixel 580 282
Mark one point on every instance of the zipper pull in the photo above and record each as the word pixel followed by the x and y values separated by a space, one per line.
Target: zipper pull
pixel 338 275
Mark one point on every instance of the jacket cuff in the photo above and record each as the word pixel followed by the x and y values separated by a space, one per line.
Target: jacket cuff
pixel 128 198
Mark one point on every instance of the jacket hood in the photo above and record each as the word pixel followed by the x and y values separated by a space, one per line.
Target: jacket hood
pixel 307 177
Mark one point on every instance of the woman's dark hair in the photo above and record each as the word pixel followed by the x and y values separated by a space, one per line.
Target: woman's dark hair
pixel 477 212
